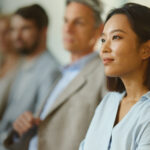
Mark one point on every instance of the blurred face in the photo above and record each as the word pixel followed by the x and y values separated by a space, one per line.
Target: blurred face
pixel 79 32
pixel 120 50
pixel 5 41
pixel 25 35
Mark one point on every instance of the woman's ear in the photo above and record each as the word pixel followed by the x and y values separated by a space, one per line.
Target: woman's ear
pixel 145 52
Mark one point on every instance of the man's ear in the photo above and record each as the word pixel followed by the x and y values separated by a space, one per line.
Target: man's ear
pixel 45 30
pixel 99 31
pixel 145 52
pixel 97 34
pixel 44 33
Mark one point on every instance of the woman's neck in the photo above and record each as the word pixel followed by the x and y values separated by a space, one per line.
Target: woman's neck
pixel 134 85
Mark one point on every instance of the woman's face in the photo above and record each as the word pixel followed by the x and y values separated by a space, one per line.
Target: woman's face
pixel 5 40
pixel 120 50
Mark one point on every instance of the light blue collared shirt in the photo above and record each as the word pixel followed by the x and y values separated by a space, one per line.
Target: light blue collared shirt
pixel 131 133
pixel 68 74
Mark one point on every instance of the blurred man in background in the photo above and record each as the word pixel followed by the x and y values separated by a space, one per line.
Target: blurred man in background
pixel 67 112
pixel 38 71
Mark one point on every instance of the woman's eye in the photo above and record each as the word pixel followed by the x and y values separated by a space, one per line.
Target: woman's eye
pixel 102 40
pixel 116 37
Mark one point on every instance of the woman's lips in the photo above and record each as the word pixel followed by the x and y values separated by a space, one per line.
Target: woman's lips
pixel 107 61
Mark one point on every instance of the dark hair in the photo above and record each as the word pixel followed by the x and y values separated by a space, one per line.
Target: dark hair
pixel 35 13
pixel 139 19
pixel 95 5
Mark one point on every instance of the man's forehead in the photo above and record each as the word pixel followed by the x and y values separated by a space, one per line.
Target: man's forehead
pixel 20 21
pixel 78 10
pixel 95 5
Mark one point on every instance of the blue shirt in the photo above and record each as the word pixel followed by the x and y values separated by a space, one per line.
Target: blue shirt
pixel 68 74
pixel 131 133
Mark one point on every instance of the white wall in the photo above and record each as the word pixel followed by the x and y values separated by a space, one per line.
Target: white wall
pixel 0 5
pixel 143 2
pixel 55 9
pixel 110 4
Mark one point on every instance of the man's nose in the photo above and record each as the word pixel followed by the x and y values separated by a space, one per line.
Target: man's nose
pixel 68 27
pixel 16 34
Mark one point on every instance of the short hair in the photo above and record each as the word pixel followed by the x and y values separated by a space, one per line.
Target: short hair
pixel 139 19
pixel 35 13
pixel 95 5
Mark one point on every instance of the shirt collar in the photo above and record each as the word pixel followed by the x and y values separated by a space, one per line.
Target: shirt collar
pixel 79 64
pixel 146 96
pixel 29 65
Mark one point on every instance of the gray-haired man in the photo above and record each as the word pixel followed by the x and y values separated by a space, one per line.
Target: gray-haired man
pixel 68 110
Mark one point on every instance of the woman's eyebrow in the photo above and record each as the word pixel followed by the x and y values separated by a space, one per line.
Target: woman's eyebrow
pixel 116 30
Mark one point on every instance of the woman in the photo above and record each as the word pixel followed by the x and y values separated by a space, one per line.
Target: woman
pixel 122 120
pixel 9 61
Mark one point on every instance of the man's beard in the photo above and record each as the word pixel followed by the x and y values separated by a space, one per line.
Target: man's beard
pixel 26 51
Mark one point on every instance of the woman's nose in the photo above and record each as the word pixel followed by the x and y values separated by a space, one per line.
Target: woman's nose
pixel 105 47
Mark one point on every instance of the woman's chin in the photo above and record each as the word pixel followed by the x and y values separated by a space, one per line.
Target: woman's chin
pixel 111 74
